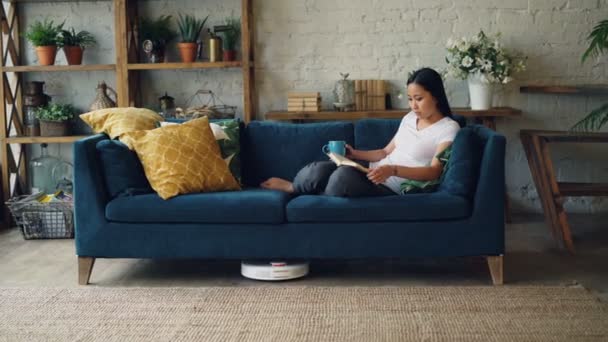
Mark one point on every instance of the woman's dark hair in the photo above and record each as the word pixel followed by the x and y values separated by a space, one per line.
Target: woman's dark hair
pixel 430 80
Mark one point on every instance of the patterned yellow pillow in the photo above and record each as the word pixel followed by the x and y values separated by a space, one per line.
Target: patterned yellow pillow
pixel 181 159
pixel 117 121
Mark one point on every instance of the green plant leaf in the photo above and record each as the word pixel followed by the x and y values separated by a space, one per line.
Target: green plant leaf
pixel 44 33
pixel 55 112
pixel 598 41
pixel 593 121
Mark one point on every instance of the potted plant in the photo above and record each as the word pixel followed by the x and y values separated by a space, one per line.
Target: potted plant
pixel 44 35
pixel 190 29
pixel 598 43
pixel 73 44
pixel 155 34
pixel 54 119
pixel 482 61
pixel 232 34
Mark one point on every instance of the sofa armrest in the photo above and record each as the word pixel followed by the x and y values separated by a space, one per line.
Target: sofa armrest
pixel 90 195
pixel 488 205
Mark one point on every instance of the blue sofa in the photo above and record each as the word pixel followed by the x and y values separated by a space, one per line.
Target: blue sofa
pixel 464 217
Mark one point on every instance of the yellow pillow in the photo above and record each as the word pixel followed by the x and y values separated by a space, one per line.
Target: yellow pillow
pixel 117 121
pixel 181 159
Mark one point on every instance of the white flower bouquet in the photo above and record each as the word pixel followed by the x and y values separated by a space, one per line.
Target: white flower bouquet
pixel 483 57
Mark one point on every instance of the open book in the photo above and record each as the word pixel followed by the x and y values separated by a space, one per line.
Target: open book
pixel 341 160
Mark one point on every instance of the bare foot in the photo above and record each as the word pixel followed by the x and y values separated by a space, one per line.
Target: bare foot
pixel 280 184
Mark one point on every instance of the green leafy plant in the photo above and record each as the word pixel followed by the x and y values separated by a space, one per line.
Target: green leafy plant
pixel 190 28
pixel 157 30
pixel 71 38
pixel 598 43
pixel 55 112
pixel 232 33
pixel 44 33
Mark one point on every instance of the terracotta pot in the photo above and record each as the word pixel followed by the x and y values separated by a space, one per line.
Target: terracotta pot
pixel 46 54
pixel 54 128
pixel 187 51
pixel 73 54
pixel 229 55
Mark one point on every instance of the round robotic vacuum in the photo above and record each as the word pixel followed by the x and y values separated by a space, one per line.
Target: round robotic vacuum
pixel 274 270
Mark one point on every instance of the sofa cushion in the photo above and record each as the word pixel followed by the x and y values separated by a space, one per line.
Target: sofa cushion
pixel 227 133
pixel 182 159
pixel 121 169
pixel 117 121
pixel 247 206
pixel 271 149
pixel 412 207
pixel 462 172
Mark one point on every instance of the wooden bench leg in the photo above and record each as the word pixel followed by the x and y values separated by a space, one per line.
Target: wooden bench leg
pixel 495 265
pixel 85 267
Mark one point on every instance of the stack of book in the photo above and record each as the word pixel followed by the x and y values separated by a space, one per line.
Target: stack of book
pixel 370 95
pixel 303 102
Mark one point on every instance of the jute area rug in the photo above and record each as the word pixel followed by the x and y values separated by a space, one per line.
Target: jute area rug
pixel 303 314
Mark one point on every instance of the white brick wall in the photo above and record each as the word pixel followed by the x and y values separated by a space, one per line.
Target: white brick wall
pixel 304 44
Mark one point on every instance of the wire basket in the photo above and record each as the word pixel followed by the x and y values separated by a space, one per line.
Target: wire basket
pixel 211 106
pixel 52 220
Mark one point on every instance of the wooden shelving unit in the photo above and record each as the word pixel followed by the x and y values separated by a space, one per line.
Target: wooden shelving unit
pixel 584 89
pixel 385 114
pixel 51 68
pixel 126 70
pixel 42 140
pixel 177 66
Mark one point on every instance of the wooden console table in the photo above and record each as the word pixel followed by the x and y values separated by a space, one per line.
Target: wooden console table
pixel 550 191
pixel 484 117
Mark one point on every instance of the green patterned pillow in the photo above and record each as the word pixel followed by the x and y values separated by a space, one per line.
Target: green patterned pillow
pixel 228 138
pixel 410 186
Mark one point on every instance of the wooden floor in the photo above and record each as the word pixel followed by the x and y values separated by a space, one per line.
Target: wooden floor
pixel 532 258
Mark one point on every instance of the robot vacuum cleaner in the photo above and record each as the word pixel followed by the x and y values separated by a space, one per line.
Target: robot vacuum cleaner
pixel 274 270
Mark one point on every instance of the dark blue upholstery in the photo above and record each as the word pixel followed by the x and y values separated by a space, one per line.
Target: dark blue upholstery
pixel 415 207
pixel 462 172
pixel 281 149
pixel 224 225
pixel 247 206
pixel 121 169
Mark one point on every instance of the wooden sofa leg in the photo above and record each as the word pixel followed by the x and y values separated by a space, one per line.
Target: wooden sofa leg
pixel 495 265
pixel 85 267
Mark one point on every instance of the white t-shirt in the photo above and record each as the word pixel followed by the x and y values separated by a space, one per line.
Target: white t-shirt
pixel 416 148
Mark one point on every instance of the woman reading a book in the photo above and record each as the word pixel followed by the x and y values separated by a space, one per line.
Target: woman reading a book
pixel 423 134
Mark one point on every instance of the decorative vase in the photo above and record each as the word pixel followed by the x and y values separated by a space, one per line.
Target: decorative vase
pixel 187 51
pixel 46 54
pixel 73 54
pixel 344 94
pixel 102 100
pixel 480 92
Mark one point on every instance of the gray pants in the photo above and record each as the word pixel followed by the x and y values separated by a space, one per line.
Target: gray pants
pixel 324 178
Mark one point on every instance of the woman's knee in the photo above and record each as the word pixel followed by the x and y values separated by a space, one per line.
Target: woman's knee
pixel 342 181
pixel 313 177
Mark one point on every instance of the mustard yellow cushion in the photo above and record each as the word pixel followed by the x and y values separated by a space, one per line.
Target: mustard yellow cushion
pixel 117 121
pixel 181 159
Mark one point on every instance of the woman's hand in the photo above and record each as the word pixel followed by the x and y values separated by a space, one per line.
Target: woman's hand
pixel 379 174
pixel 350 152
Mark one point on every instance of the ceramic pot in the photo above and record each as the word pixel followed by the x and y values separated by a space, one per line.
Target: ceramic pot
pixel 229 55
pixel 188 51
pixel 480 92
pixel 46 54
pixel 73 54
